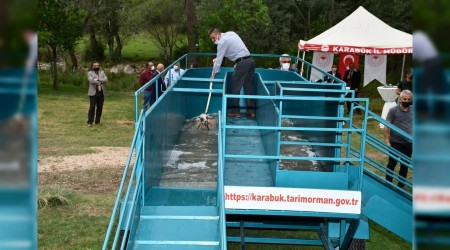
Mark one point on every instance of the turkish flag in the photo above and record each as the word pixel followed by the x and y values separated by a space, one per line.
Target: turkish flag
pixel 345 59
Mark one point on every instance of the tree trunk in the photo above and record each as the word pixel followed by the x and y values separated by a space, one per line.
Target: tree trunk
pixel 111 48
pixel 54 67
pixel 74 60
pixel 191 23
pixel 118 50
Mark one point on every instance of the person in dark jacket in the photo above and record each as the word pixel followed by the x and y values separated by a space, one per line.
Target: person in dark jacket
pixel 146 76
pixel 352 78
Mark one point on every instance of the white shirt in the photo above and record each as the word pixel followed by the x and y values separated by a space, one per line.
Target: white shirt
pixel 230 46
pixel 172 76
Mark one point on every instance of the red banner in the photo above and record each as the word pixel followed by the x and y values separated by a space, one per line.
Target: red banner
pixel 345 59
pixel 353 49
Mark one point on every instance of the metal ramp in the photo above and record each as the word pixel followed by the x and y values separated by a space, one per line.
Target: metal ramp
pixel 300 140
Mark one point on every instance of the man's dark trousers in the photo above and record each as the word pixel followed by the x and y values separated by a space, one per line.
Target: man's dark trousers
pixel 406 149
pixel 243 76
pixel 96 100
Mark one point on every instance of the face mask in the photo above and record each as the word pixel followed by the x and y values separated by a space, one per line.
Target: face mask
pixel 217 41
pixel 175 67
pixel 406 104
pixel 285 66
pixel 152 68
pixel 334 70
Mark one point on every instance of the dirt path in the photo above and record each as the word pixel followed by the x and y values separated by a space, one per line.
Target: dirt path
pixel 104 158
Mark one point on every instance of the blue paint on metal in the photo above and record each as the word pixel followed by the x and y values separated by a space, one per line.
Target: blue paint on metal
pixel 18 164
pixel 292 115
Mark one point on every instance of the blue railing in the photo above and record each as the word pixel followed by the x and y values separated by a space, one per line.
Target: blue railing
pixel 133 189
pixel 220 187
pixel 281 128
pixel 384 149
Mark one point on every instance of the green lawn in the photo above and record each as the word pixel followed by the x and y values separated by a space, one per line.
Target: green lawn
pixel 62 117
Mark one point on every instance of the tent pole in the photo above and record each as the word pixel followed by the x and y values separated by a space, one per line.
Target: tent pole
pixel 301 71
pixel 403 67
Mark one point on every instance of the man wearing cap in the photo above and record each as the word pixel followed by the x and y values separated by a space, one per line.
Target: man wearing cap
pixel 231 46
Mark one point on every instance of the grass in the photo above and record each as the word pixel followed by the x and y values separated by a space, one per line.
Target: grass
pixel 82 222
pixel 62 116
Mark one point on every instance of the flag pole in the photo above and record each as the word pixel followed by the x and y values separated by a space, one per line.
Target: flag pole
pixel 303 59
pixel 403 66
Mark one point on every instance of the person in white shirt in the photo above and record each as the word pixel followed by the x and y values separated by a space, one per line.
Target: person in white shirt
pixel 231 46
pixel 173 75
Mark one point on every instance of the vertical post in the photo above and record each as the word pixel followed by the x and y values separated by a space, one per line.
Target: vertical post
pixel 242 234
pixel 403 66
pixel 303 62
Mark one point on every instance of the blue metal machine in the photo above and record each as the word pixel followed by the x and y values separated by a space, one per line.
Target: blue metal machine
pixel 18 160
pixel 176 194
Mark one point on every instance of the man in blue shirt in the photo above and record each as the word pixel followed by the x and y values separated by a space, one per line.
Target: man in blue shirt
pixel 231 46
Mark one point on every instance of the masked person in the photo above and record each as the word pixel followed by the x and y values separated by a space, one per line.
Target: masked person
pixel 285 64
pixel 401 116
pixel 407 83
pixel 97 80
pixel 145 77
pixel 334 73
pixel 352 78
pixel 173 75
pixel 231 46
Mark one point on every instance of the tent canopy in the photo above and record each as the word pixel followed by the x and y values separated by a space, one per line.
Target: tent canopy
pixel 361 32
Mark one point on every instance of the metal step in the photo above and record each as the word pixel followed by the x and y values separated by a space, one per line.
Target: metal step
pixel 16 225
pixel 165 196
pixel 178 227
pixel 387 207
pixel 174 247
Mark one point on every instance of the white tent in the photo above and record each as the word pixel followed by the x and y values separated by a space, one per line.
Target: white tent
pixel 361 32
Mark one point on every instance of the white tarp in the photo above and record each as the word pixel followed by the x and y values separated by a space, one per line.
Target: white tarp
pixel 361 32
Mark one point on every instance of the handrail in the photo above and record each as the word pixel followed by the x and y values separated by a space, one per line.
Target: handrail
pixel 122 184
pixel 153 80
pixel 382 147
pixel 279 128
pixel 220 187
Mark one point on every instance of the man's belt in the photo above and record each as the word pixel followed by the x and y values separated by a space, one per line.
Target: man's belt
pixel 242 58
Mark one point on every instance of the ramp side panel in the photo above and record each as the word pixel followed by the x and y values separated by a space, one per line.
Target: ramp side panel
pixel 267 115
pixel 163 123
pixel 316 108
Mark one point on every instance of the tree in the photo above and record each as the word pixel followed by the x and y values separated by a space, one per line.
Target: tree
pixel 245 17
pixel 60 27
pixel 191 26
pixel 164 23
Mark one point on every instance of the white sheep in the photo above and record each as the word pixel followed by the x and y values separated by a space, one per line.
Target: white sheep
pixel 205 121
